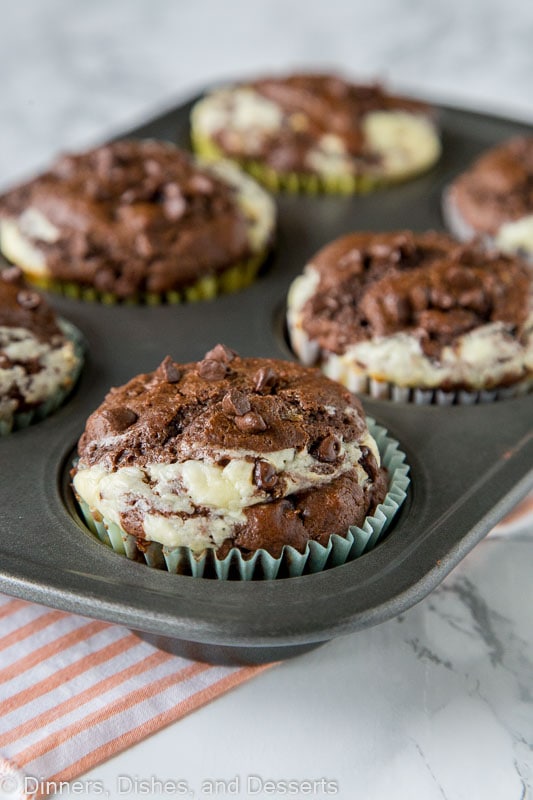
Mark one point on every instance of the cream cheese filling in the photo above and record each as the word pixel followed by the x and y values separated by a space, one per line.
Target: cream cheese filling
pixel 58 364
pixel 243 110
pixel 17 247
pixel 481 358
pixel 255 203
pixel 516 236
pixel 405 142
pixel 198 503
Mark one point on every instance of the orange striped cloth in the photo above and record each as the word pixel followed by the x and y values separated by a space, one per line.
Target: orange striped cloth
pixel 75 691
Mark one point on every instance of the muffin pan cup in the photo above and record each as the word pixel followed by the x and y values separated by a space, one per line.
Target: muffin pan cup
pixel 233 279
pixel 296 182
pixel 469 464
pixel 261 565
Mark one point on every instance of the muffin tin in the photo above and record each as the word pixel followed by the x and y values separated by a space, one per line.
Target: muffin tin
pixel 469 464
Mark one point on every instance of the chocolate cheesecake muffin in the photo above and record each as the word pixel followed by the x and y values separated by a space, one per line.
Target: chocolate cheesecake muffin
pixel 227 456
pixel 493 200
pixel 391 313
pixel 138 221
pixel 317 132
pixel 40 356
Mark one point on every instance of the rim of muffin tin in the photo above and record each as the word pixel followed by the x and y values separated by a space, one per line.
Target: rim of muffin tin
pixel 258 564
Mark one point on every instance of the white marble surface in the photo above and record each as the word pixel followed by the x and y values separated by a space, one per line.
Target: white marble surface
pixel 436 704
pixel 74 70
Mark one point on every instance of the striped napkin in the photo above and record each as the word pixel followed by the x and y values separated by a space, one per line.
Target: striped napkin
pixel 76 691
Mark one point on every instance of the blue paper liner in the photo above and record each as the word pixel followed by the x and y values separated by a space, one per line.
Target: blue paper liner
pixel 261 565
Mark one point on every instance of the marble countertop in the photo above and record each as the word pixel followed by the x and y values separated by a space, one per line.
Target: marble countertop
pixel 438 702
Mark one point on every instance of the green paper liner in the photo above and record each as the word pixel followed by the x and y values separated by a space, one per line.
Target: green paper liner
pixel 261 565
pixel 299 182
pixel 24 419
pixel 230 280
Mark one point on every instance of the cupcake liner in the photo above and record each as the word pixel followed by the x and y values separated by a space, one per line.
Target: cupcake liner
pixel 24 419
pixel 296 182
pixel 386 390
pixel 262 565
pixel 230 280
pixel 309 353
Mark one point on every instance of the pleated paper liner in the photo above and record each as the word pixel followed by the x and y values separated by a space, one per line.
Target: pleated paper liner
pixel 233 279
pixel 26 418
pixel 261 565
pixel 300 183
pixel 358 382
pixel 384 390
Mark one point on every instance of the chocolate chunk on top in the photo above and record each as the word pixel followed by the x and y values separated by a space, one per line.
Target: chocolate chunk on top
pixel 168 370
pixel 235 403
pixel 212 370
pixel 195 417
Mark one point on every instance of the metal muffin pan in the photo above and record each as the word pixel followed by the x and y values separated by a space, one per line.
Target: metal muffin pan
pixel 469 464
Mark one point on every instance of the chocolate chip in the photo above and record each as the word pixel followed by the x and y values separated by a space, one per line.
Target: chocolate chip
pixel 351 259
pixel 221 353
pixel 380 251
pixel 328 449
pixel 175 207
pixel 264 378
pixel 405 245
pixel 265 476
pixel 250 423
pixel 29 300
pixel 152 167
pixel 64 166
pixel 120 418
pixel 143 245
pixel 419 298
pixel 5 362
pixel 200 184
pixel 128 197
pixel 369 464
pixel 168 371
pixel 235 403
pixel 11 274
pixel 80 245
pixel 104 159
pixel 211 370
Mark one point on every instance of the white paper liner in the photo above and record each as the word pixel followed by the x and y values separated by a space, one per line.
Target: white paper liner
pixel 261 565
pixel 384 390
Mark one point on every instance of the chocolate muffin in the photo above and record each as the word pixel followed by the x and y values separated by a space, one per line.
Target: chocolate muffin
pixel 138 221
pixel 493 200
pixel 317 132
pixel 227 455
pixel 40 356
pixel 390 313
